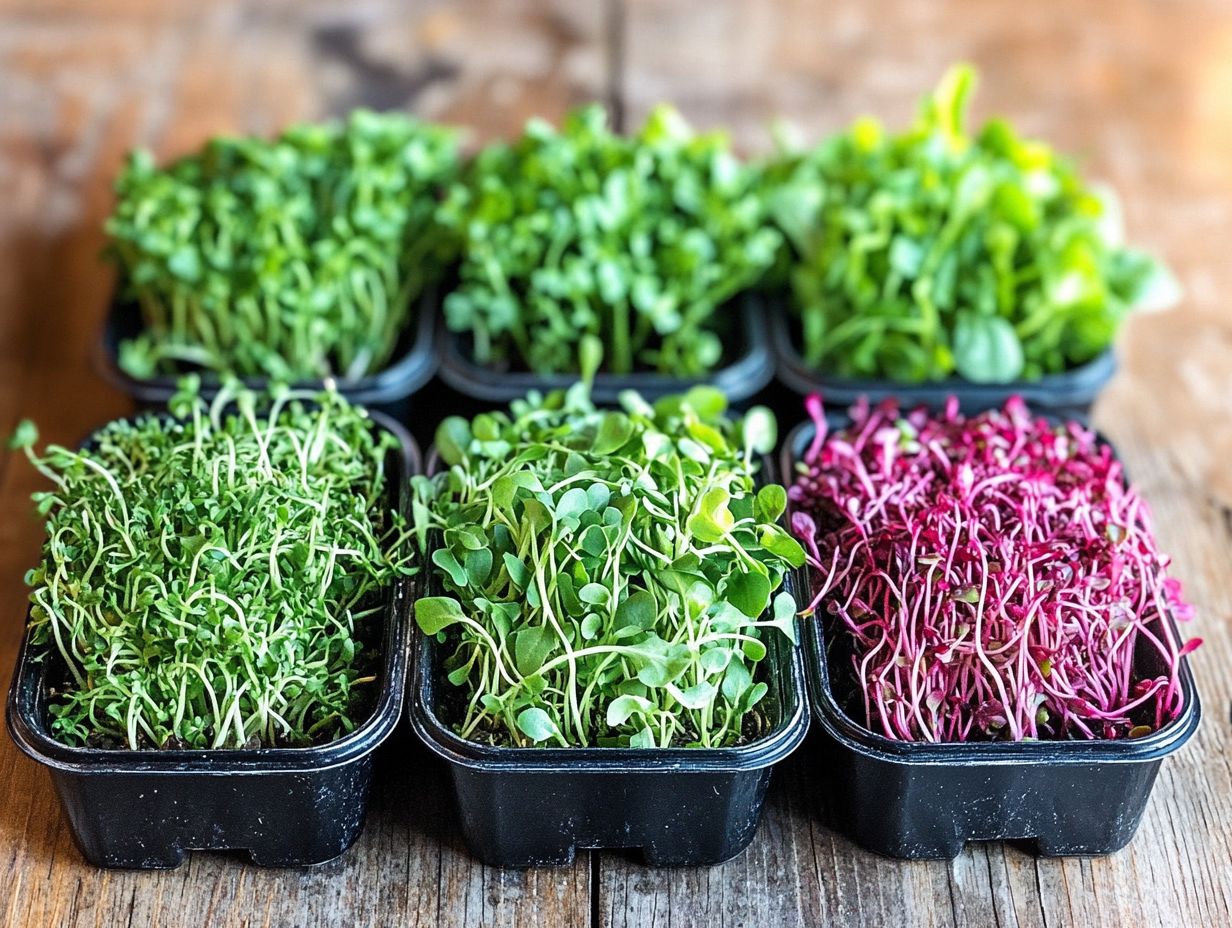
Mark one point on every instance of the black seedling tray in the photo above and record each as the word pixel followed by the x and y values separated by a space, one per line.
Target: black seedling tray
pixel 749 368
pixel 284 807
pixel 925 801
pixel 1069 394
pixel 532 806
pixel 527 807
pixel 388 391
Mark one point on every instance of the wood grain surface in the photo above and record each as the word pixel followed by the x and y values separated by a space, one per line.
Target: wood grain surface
pixel 1140 91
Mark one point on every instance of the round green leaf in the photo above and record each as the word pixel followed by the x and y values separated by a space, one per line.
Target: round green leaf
pixel 435 613
pixel 986 349
pixel 537 724
pixel 453 436
pixel 622 708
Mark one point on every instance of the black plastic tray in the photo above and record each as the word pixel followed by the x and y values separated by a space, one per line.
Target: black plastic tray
pixel 1069 394
pixel 527 807
pixel 926 801
pixel 750 368
pixel 285 807
pixel 388 391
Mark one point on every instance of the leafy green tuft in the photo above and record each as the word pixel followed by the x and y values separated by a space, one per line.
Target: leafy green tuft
pixel 583 232
pixel 293 259
pixel 934 252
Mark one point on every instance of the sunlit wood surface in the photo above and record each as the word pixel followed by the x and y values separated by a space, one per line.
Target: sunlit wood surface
pixel 1140 91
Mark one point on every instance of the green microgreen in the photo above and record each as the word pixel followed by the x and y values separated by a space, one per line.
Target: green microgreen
pixel 607 574
pixel 294 259
pixel 637 240
pixel 214 578
pixel 934 252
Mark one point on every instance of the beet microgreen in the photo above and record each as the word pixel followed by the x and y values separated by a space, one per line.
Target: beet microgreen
pixel 294 259
pixel 608 572
pixel 637 240
pixel 933 252
pixel 995 576
pixel 210 579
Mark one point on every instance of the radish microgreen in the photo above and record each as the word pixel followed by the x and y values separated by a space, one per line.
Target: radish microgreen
pixel 995 576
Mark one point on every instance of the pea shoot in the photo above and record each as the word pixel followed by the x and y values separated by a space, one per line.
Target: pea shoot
pixel 213 578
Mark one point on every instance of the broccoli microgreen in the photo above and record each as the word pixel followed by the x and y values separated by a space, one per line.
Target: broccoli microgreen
pixel 934 252
pixel 607 575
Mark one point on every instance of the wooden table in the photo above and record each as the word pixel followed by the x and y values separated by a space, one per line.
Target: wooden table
pixel 1141 92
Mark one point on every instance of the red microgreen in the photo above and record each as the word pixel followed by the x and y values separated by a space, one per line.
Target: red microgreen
pixel 996 575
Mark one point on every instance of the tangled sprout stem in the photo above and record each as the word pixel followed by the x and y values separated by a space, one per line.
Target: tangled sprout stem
pixel 210 578
pixel 996 576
